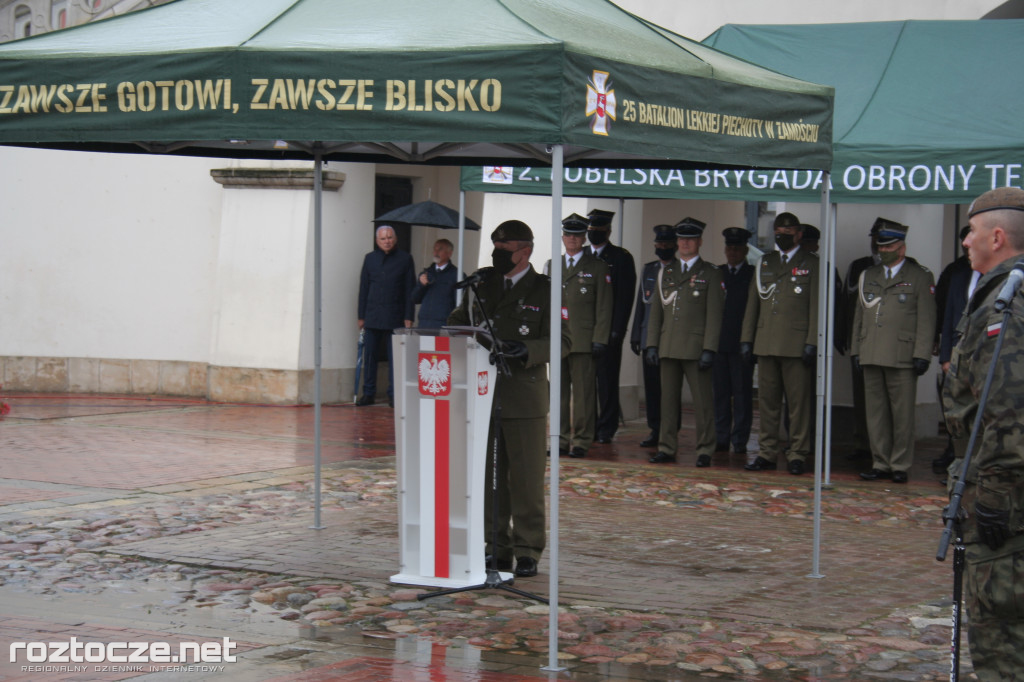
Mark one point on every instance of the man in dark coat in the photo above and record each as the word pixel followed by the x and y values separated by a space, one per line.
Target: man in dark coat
pixel 385 303
pixel 435 291
pixel 665 249
pixel 623 272
pixel 733 374
pixel 954 288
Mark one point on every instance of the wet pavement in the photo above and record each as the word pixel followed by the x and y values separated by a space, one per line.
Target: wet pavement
pixel 158 520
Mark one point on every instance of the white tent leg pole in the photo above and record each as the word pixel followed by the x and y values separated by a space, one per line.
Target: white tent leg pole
pixel 318 163
pixel 554 403
pixel 622 222
pixel 462 243
pixel 824 340
pixel 829 228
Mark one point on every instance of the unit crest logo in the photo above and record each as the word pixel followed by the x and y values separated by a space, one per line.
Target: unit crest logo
pixel 435 374
pixel 498 175
pixel 600 103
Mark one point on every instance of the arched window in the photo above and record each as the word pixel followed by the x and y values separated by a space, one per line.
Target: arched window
pixel 22 22
pixel 59 14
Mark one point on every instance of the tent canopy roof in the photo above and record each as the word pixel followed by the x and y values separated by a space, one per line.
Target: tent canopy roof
pixel 905 90
pixel 413 80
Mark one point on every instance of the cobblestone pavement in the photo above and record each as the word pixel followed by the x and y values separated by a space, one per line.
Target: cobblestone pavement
pixel 175 521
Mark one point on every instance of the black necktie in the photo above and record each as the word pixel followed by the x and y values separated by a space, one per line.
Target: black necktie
pixel 508 284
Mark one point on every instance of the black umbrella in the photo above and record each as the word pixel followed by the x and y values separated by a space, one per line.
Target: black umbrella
pixel 427 214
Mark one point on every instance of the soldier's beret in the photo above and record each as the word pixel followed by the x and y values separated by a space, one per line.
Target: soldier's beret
pixel 690 227
pixel 574 224
pixel 810 233
pixel 664 233
pixel 736 235
pixel 512 231
pixel 599 218
pixel 1003 198
pixel 786 220
pixel 889 231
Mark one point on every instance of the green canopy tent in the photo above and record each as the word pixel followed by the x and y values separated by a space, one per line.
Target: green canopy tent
pixel 905 127
pixel 454 82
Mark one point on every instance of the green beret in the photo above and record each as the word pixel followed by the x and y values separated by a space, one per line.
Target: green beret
pixel 1003 198
pixel 512 231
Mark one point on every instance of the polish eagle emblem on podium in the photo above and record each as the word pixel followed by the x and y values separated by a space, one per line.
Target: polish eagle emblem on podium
pixel 435 374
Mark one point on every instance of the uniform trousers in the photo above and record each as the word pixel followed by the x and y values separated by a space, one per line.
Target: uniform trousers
pixel 608 409
pixel 890 414
pixel 734 399
pixel 578 402
pixel 372 342
pixel 522 464
pixel 652 395
pixel 673 372
pixel 860 424
pixel 784 377
pixel 994 594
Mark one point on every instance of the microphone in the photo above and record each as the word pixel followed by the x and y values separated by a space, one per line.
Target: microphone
pixel 1011 286
pixel 475 278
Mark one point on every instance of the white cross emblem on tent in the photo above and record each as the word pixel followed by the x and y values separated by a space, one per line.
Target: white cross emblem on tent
pixel 600 103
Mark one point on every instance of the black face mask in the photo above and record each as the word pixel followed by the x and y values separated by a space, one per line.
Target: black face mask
pixel 502 261
pixel 785 241
pixel 665 254
pixel 597 237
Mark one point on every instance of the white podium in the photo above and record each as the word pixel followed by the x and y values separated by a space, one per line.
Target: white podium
pixel 444 385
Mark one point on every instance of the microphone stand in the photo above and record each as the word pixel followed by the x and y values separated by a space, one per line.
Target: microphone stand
pixel 493 578
pixel 954 514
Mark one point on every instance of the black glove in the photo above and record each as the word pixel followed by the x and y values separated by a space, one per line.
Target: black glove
pixel 514 350
pixel 635 347
pixel 651 356
pixel 747 352
pixel 810 355
pixel 856 363
pixel 993 525
pixel 598 350
pixel 707 358
pixel 920 366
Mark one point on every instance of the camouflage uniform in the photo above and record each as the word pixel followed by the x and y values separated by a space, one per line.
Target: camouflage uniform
pixel 994 579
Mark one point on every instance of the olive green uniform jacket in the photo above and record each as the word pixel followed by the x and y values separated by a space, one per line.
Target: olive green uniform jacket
pixel 686 310
pixel 782 308
pixel 520 314
pixel 895 320
pixel 587 301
